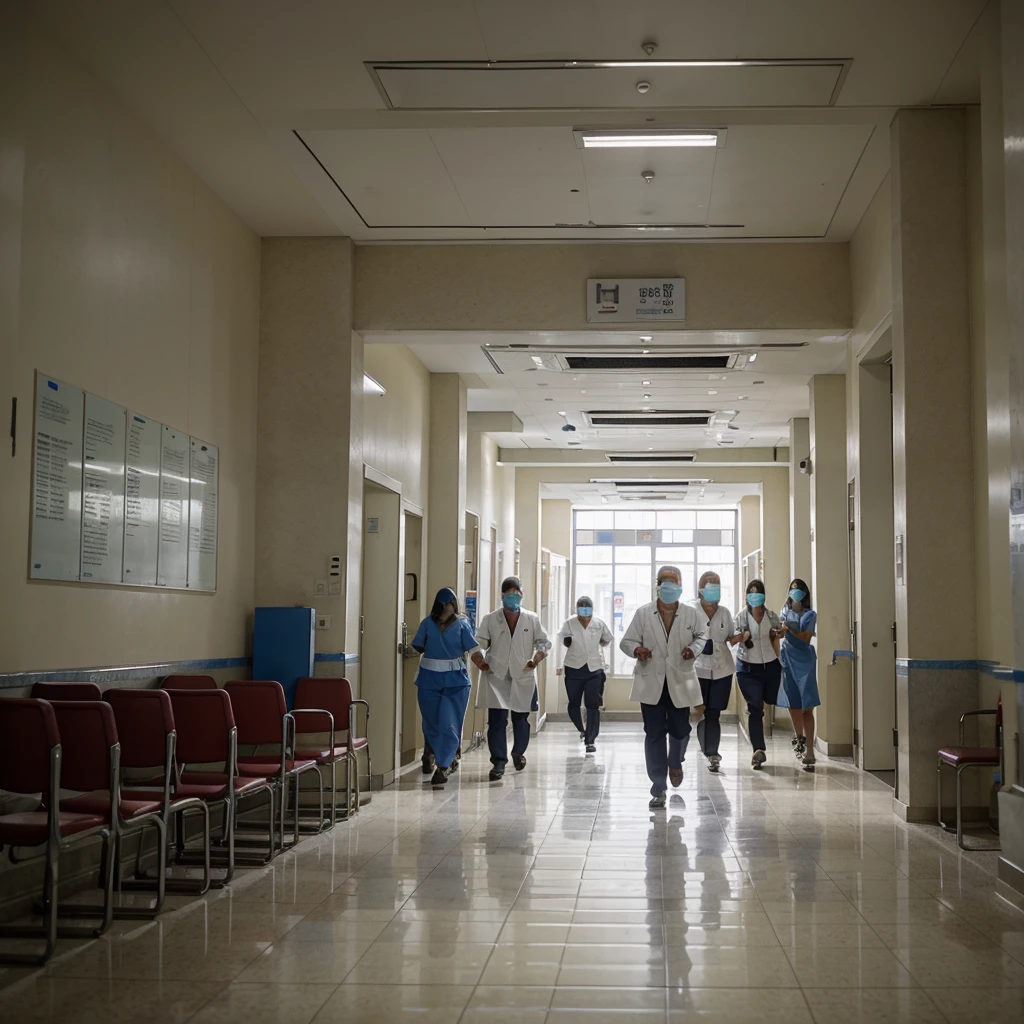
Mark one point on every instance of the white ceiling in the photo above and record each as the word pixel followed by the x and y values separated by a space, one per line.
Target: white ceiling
pixel 763 410
pixel 229 84
pixel 604 495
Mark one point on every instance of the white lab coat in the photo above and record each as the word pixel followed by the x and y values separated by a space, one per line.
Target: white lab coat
pixel 719 664
pixel 586 650
pixel 666 662
pixel 509 684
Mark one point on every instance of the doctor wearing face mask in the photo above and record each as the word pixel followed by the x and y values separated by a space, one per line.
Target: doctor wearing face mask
pixel 513 643
pixel 665 638
pixel 800 668
pixel 714 665
pixel 584 638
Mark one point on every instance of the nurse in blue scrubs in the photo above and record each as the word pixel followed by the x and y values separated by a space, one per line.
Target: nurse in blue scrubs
pixel 443 640
pixel 799 668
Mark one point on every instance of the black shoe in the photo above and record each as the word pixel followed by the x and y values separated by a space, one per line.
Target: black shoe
pixel 440 776
pixel 657 801
pixel 454 766
pixel 496 773
pixel 428 765
pixel 591 748
pixel 519 762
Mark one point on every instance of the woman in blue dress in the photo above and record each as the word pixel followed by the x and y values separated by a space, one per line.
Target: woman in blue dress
pixel 799 668
pixel 443 639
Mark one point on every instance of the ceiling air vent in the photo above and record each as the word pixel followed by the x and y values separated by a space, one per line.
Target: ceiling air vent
pixel 669 458
pixel 707 361
pixel 650 418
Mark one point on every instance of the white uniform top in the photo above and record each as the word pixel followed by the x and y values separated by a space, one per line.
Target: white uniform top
pixel 586 650
pixel 509 684
pixel 762 653
pixel 666 663
pixel 718 628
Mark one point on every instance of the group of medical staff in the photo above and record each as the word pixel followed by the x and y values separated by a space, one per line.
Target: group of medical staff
pixel 684 670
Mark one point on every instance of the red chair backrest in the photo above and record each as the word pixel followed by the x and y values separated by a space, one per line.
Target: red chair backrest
pixel 259 707
pixel 144 720
pixel 327 694
pixel 189 683
pixel 67 691
pixel 28 732
pixel 203 721
pixel 87 732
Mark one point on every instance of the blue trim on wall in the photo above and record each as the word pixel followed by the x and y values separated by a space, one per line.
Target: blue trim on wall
pixel 990 668
pixel 118 673
pixel 341 656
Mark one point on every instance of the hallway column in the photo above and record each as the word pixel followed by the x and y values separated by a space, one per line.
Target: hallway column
pixel 1011 801
pixel 775 534
pixel 799 500
pixel 446 512
pixel 830 583
pixel 932 445
pixel 309 457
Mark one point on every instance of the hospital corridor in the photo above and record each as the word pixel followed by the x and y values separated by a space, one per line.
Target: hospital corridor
pixel 512 512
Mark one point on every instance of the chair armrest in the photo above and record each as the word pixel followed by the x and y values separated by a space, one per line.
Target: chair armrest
pixel 316 712
pixel 969 714
pixel 352 720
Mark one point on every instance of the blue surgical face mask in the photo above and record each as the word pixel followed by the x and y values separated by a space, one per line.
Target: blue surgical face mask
pixel 797 595
pixel 512 600
pixel 670 592
pixel 584 612
pixel 712 593
pixel 755 600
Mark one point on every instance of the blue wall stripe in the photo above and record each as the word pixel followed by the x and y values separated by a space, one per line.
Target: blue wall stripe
pixel 990 668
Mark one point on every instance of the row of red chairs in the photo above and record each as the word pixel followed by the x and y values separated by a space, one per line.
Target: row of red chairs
pixel 67 737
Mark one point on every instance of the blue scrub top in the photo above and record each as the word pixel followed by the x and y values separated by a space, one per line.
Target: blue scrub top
pixel 444 645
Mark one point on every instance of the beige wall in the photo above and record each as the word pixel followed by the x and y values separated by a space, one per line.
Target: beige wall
pixel 396 426
pixel 556 526
pixel 123 274
pixel 799 499
pixel 729 286
pixel 750 525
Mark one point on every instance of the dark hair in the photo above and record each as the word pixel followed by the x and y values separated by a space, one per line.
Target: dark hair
pixel 799 584
pixel 584 602
pixel 435 612
pixel 754 587
pixel 511 583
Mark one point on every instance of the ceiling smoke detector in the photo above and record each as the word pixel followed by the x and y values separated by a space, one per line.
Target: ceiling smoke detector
pixel 643 88
pixel 648 176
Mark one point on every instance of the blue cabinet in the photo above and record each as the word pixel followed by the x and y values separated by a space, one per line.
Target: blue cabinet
pixel 283 646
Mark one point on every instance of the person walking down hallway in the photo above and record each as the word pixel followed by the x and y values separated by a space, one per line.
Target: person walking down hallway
pixel 800 668
pixel 715 665
pixel 443 639
pixel 513 643
pixel 584 637
pixel 665 637
pixel 758 670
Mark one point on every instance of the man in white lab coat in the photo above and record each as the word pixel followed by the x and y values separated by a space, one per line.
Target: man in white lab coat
pixel 513 643
pixel 584 638
pixel 665 637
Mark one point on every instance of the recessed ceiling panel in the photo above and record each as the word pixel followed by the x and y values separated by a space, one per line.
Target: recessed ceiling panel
pixel 606 85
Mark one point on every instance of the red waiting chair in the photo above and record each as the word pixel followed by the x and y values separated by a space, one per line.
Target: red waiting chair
pixel 961 758
pixel 92 766
pixel 189 683
pixel 207 734
pixel 30 763
pixel 264 720
pixel 321 705
pixel 145 725
pixel 67 691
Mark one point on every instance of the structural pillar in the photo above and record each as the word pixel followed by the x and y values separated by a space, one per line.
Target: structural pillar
pixel 937 678
pixel 309 439
pixel 446 516
pixel 799 499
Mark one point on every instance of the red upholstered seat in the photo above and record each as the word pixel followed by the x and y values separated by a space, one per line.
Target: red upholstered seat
pixel 324 756
pixel 29 828
pixel 957 756
pixel 98 803
pixel 216 783
pixel 257 765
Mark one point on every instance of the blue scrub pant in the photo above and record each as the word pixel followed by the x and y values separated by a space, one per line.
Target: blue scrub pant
pixel 443 713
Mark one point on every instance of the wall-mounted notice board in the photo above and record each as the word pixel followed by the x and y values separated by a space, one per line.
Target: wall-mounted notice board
pixel 118 497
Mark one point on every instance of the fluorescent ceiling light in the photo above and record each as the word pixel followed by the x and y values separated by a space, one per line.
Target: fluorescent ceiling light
pixel 753 356
pixel 646 138
pixel 371 387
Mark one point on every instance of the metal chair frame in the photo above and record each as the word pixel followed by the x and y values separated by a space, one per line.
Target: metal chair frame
pixel 960 769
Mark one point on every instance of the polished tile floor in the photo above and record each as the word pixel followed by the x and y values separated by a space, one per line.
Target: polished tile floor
pixel 556 896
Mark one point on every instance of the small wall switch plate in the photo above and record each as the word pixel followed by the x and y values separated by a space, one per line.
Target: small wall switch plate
pixel 323 622
pixel 320 588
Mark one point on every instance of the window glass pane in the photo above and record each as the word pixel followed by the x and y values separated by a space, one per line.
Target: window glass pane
pixel 640 554
pixel 594 554
pixel 714 520
pixel 625 536
pixel 633 587
pixel 728 537
pixel 592 519
pixel 672 520
pixel 673 556
pixel 677 537
pixel 584 536
pixel 707 555
pixel 635 520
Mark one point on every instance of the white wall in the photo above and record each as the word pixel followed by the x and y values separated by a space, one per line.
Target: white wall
pixel 123 274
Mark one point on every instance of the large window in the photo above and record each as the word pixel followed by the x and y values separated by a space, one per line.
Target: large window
pixel 617 553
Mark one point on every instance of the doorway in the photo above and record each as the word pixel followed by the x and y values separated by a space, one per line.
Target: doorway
pixel 382 607
pixel 413 611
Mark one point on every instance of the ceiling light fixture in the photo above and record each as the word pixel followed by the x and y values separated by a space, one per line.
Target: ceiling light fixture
pixel 646 383
pixel 647 337
pixel 742 398
pixel 561 412
pixel 647 396
pixel 647 138
pixel 712 392
pixel 371 387
pixel 753 356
